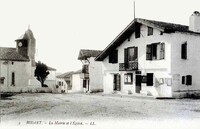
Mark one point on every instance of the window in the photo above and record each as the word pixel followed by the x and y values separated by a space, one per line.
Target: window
pixel 2 80
pixel 137 31
pixel 155 51
pixel 128 78
pixel 150 31
pixel 168 81
pixel 144 79
pixel 188 79
pixel 149 79
pixel 84 83
pixel 60 83
pixel 13 79
pixel 130 54
pixel 161 81
pixel 113 57
pixel 184 51
pixel 183 79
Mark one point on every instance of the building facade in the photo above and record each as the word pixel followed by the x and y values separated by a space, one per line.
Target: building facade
pixel 154 58
pixel 92 75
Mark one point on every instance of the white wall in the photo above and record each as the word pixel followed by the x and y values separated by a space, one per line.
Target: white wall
pixel 77 83
pixel 191 65
pixel 63 87
pixel 95 75
pixel 22 72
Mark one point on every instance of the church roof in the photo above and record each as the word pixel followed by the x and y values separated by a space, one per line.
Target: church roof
pixel 85 53
pixel 11 54
pixel 27 35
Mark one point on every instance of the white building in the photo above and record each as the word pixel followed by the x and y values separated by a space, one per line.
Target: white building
pixel 77 82
pixel 61 85
pixel 17 66
pixel 92 75
pixel 72 80
pixel 154 58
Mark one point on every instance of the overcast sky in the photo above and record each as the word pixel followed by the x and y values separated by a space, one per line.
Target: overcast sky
pixel 63 27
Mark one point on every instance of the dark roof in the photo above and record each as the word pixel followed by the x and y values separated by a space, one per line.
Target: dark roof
pixel 51 69
pixel 68 74
pixel 78 71
pixel 11 54
pixel 85 53
pixel 27 35
pixel 65 75
pixel 126 33
pixel 165 26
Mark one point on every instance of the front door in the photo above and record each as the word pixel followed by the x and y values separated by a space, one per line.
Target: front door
pixel 116 82
pixel 138 82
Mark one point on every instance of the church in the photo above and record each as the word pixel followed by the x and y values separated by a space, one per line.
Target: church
pixel 17 66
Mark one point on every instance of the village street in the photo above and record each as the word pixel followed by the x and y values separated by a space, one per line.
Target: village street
pixel 23 108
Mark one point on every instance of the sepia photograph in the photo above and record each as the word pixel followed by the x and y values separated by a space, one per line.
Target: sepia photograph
pixel 125 64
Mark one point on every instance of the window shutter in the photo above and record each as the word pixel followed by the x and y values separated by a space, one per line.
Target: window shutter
pixel 184 51
pixel 125 55
pixel 110 57
pixel 137 31
pixel 138 80
pixel 148 52
pixel 115 58
pixel 149 79
pixel 135 53
pixel 183 79
pixel 189 80
pixel 150 31
pixel 162 51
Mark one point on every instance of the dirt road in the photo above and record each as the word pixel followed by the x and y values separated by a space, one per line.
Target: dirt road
pixel 43 106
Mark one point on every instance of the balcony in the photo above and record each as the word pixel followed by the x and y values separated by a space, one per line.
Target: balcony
pixel 84 76
pixel 85 69
pixel 128 66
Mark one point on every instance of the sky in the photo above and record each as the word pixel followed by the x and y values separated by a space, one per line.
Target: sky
pixel 63 27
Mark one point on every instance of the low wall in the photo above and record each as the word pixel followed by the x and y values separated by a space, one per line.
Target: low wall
pixel 186 94
pixel 26 89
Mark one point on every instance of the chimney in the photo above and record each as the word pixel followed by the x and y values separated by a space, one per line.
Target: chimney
pixel 195 22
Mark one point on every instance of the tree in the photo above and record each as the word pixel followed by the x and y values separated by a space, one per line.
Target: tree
pixel 41 72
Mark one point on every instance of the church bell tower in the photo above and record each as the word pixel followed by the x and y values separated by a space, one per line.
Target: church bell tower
pixel 26 44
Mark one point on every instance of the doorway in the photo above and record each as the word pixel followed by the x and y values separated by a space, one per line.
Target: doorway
pixel 138 82
pixel 117 82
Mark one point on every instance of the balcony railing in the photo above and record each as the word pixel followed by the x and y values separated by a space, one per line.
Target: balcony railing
pixel 128 66
pixel 84 76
